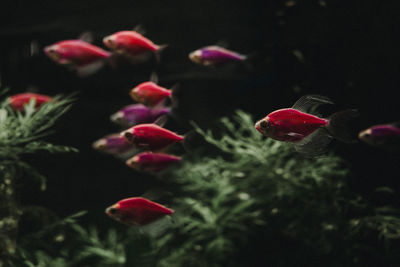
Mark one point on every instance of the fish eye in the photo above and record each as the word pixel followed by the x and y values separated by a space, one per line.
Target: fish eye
pixel 264 124
pixel 112 210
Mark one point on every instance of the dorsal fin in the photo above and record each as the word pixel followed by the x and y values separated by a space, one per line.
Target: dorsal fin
pixel 139 29
pixel 154 77
pixel 161 121
pixel 87 37
pixel 305 103
pixel 222 43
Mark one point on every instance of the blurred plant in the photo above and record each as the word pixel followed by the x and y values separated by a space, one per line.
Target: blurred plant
pixel 21 133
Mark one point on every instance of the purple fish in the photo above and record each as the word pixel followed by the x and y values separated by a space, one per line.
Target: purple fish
pixel 214 55
pixel 385 136
pixel 137 114
pixel 113 144
pixel 152 162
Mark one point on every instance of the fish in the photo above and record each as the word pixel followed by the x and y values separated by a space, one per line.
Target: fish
pixel 152 162
pixel 386 136
pixel 137 211
pixel 137 114
pixel 82 56
pixel 131 44
pixel 113 144
pixel 150 94
pixel 150 136
pixel 310 133
pixel 18 101
pixel 215 55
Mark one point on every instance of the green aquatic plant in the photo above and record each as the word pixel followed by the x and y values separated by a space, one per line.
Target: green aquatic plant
pixel 256 202
pixel 22 133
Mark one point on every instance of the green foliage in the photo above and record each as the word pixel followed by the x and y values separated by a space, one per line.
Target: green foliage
pixel 256 201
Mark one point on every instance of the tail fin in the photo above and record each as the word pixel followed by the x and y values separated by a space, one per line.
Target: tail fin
pixel 340 124
pixel 159 50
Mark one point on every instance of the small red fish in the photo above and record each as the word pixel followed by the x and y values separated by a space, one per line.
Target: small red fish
pixel 296 126
pixel 151 136
pixel 130 43
pixel 137 211
pixel 113 144
pixel 152 162
pixel 83 56
pixel 150 94
pixel 18 101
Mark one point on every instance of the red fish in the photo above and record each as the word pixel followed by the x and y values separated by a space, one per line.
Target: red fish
pixel 81 55
pixel 137 211
pixel 152 162
pixel 130 43
pixel 18 101
pixel 309 132
pixel 150 94
pixel 151 136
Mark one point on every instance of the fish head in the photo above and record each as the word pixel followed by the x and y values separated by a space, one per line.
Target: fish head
pixel 133 162
pixel 129 135
pixel 196 56
pixel 118 118
pixel 57 53
pixel 265 126
pixel 100 144
pixel 368 136
pixel 110 41
pixel 122 215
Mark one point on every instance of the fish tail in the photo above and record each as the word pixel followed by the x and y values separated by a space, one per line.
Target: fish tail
pixel 160 48
pixel 339 125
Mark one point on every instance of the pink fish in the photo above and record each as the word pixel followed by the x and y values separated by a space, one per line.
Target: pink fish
pixel 131 43
pixel 137 211
pixel 309 132
pixel 151 136
pixel 215 55
pixel 18 101
pixel 113 144
pixel 138 113
pixel 150 94
pixel 385 135
pixel 83 56
pixel 152 162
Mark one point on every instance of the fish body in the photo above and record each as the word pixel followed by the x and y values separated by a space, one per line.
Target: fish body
pixel 152 162
pixel 151 136
pixel 149 93
pixel 18 101
pixel 113 144
pixel 137 211
pixel 214 55
pixel 289 125
pixel 385 135
pixel 75 52
pixel 130 43
pixel 137 114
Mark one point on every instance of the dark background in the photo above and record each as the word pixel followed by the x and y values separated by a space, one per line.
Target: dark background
pixel 350 49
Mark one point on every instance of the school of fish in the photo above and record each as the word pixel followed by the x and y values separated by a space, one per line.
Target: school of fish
pixel 145 137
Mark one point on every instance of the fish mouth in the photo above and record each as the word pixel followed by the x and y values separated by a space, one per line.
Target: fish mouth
pixel 258 127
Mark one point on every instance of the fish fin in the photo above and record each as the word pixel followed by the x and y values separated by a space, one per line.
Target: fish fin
pixel 190 140
pixel 315 144
pixel 295 135
pixel 159 50
pixel 222 43
pixel 154 77
pixel 90 69
pixel 139 29
pixel 395 124
pixel 86 37
pixel 311 102
pixel 339 124
pixel 161 121
pixel 174 100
